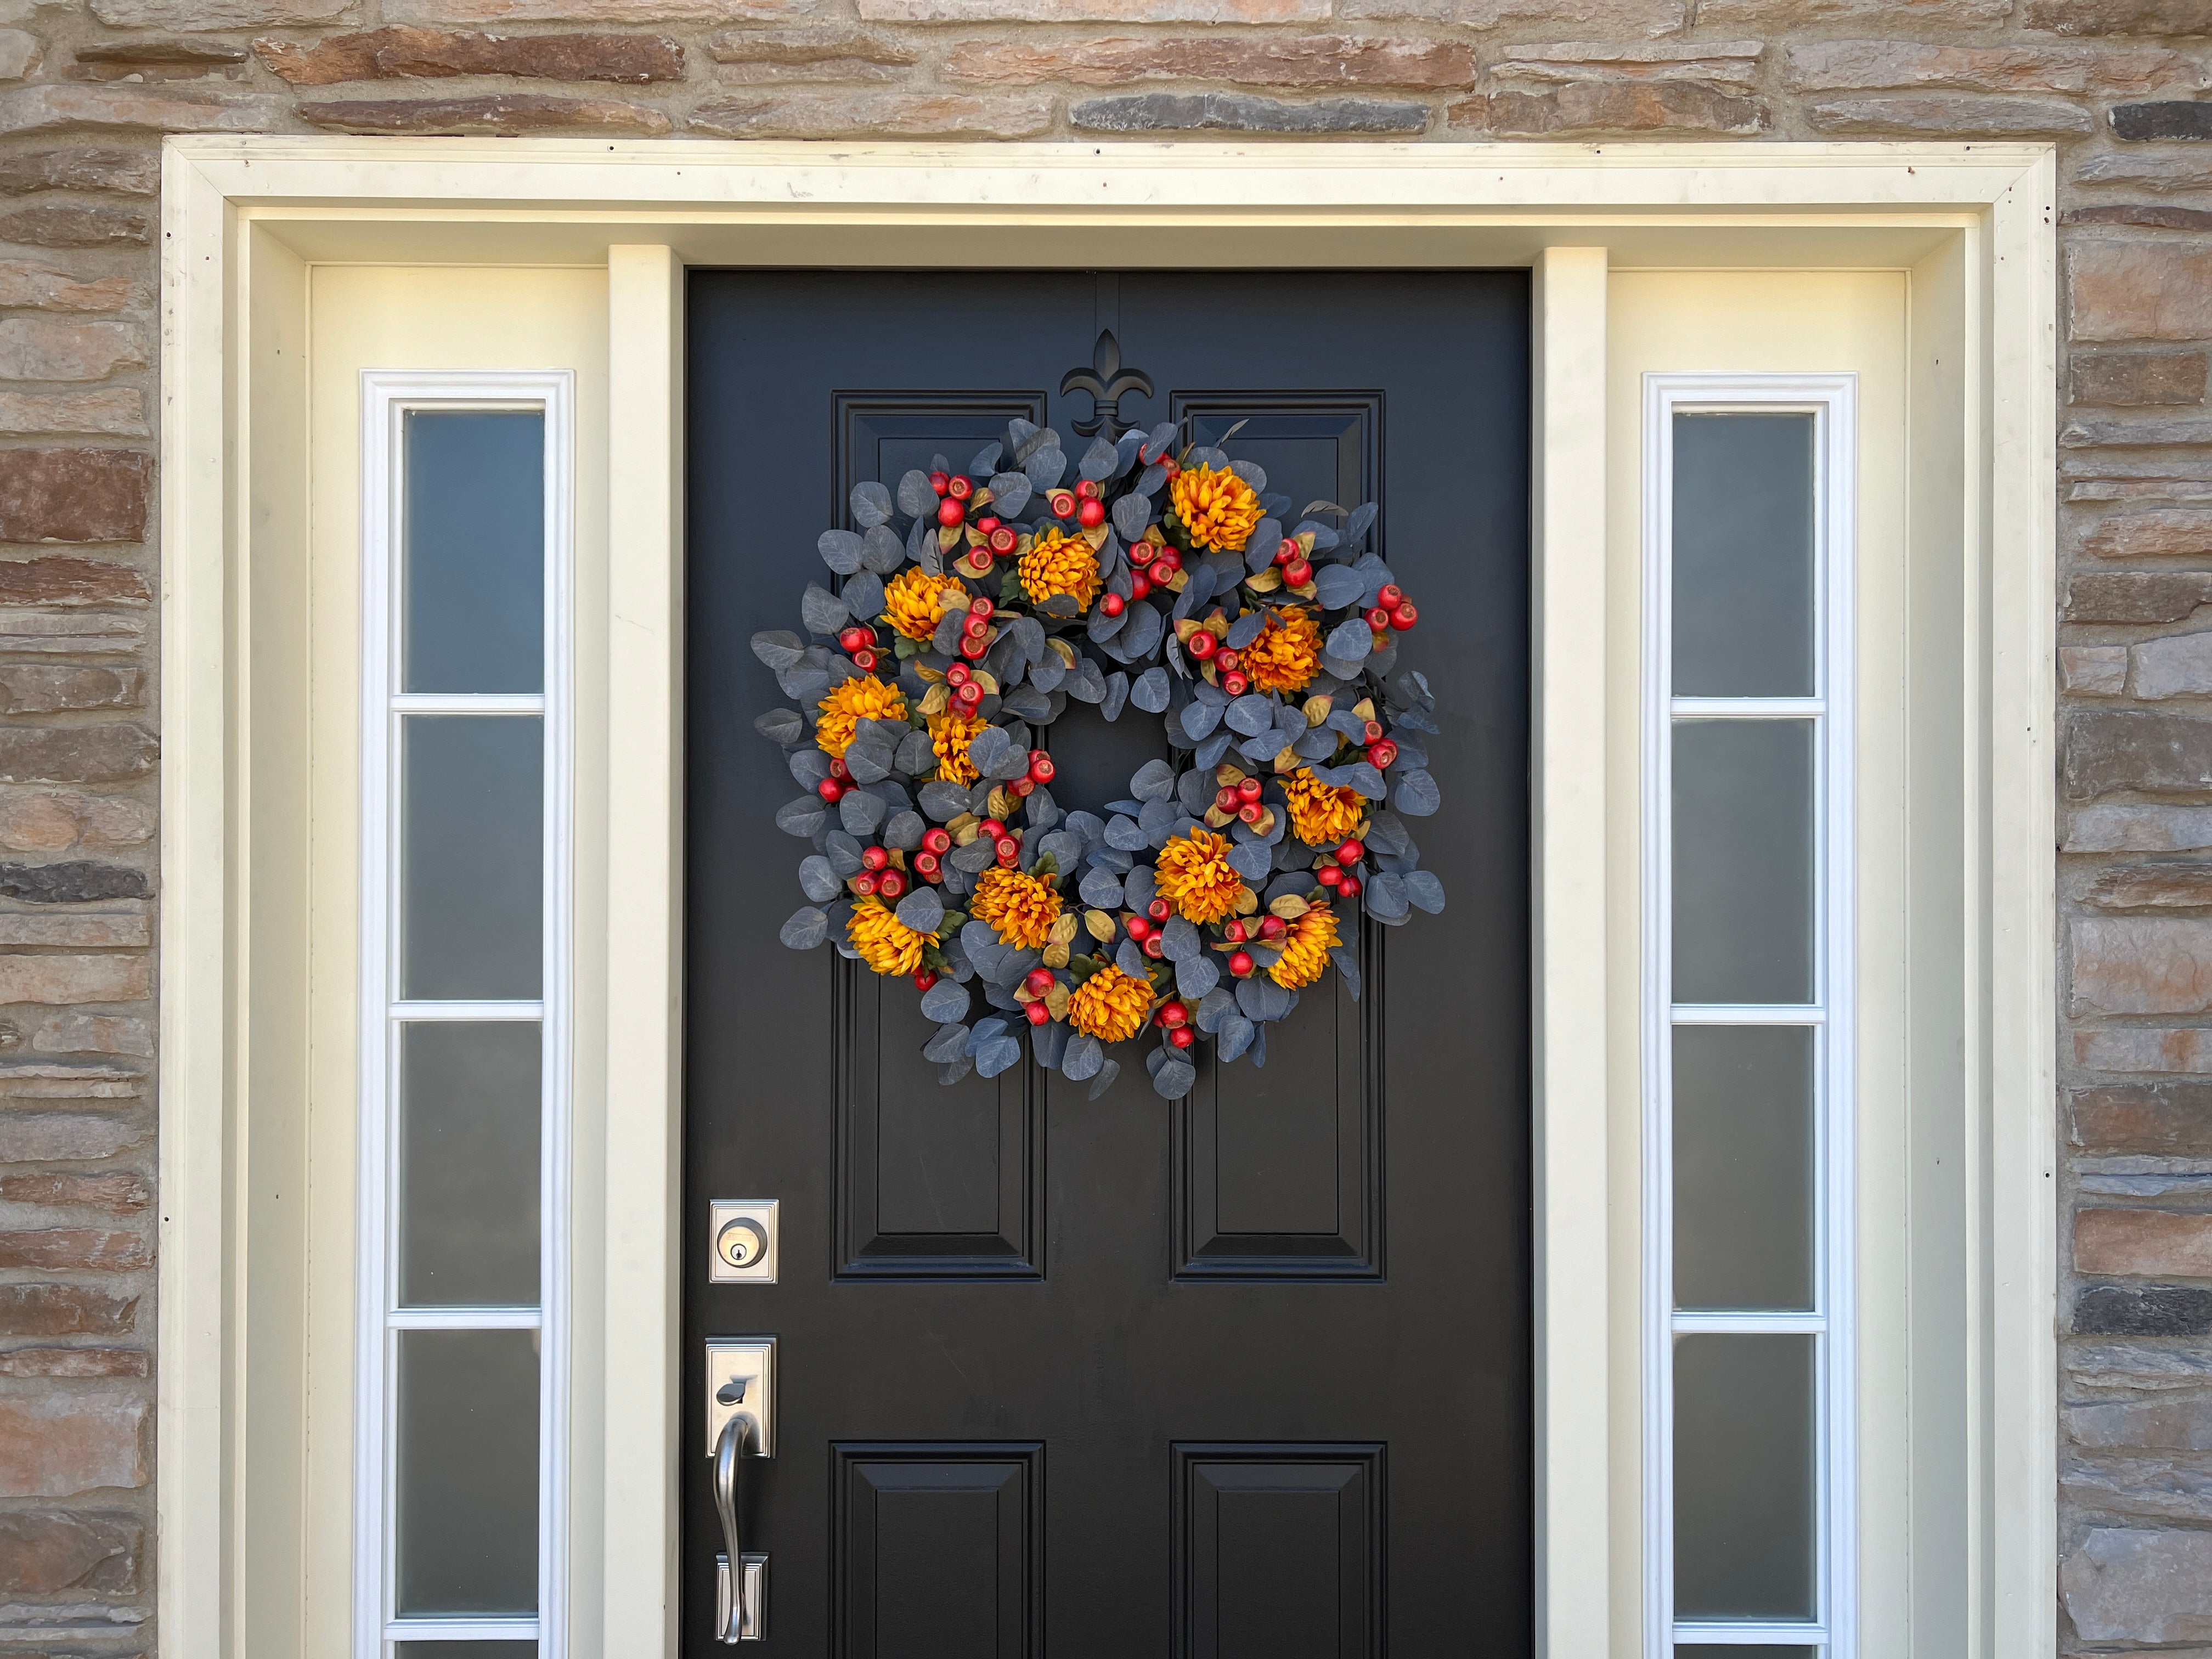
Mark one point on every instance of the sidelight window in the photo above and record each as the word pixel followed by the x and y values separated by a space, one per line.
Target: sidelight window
pixel 464 1031
pixel 1747 976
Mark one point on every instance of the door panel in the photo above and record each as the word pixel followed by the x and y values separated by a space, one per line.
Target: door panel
pixel 1213 1322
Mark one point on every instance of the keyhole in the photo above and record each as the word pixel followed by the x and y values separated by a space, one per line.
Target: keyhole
pixel 741 1242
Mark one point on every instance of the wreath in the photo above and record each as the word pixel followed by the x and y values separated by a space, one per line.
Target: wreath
pixel 970 606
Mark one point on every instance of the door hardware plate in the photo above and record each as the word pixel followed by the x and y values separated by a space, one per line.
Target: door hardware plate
pixel 749 1360
pixel 755 1627
pixel 741 1240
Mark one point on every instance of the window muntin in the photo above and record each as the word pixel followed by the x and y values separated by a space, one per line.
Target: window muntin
pixel 463 1093
pixel 1746 1156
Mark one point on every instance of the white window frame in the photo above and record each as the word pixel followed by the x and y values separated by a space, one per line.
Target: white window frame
pixel 388 396
pixel 1831 400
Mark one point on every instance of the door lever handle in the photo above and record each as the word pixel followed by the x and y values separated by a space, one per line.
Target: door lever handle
pixel 740 1607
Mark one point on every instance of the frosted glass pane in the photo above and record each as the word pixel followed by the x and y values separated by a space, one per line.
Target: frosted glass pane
pixel 1743 861
pixel 1743 1167
pixel 473 563
pixel 471 859
pixel 469 1155
pixel 1744 610
pixel 1745 1530
pixel 467 1468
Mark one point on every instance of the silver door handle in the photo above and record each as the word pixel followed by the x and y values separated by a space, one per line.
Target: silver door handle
pixel 740 1606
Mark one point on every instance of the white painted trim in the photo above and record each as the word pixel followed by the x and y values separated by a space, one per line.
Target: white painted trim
pixel 1831 400
pixel 387 396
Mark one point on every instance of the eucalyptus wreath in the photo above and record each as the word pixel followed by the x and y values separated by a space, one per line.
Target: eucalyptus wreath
pixel 969 607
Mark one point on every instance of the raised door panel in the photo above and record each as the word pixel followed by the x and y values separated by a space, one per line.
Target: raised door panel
pixel 939 1552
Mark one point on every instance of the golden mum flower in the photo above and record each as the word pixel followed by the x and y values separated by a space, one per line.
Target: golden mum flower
pixel 1322 814
pixel 885 943
pixel 863 697
pixel 1059 564
pixel 1287 654
pixel 1305 949
pixel 1020 908
pixel 1218 510
pixel 1110 1006
pixel 950 734
pixel 1192 873
pixel 914 601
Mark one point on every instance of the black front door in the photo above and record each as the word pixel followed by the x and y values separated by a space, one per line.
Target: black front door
pixel 1244 1376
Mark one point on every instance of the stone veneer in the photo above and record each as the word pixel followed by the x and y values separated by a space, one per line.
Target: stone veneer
pixel 88 87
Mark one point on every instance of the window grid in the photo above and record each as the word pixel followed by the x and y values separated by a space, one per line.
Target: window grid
pixel 1830 400
pixel 387 399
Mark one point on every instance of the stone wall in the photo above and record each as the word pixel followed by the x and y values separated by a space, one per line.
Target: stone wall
pixel 86 87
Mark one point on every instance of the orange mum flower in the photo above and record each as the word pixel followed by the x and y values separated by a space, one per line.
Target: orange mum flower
pixel 1287 654
pixel 1218 510
pixel 1059 564
pixel 914 601
pixel 950 734
pixel 1322 814
pixel 1020 908
pixel 1192 873
pixel 885 943
pixel 863 698
pixel 1110 1006
pixel 1305 949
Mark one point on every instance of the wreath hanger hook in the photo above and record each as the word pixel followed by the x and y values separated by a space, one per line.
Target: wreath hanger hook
pixel 1107 383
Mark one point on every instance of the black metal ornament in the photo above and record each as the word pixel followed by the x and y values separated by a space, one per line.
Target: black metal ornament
pixel 1107 383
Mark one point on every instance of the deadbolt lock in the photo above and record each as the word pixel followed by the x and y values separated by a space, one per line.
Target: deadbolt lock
pixel 744 1241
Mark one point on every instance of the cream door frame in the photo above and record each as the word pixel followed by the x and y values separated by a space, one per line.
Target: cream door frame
pixel 245 218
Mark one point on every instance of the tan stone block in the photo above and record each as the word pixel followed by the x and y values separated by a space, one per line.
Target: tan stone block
pixel 76 226
pixel 2139 290
pixel 2095 671
pixel 48 1552
pixel 2142 967
pixel 1782 16
pixel 65 1136
pixel 118 412
pixel 2144 1048
pixel 63 579
pixel 769 50
pixel 887 114
pixel 72 1362
pixel 1244 60
pixel 58 1446
pixel 1952 116
pixel 1610 107
pixel 50 349
pixel 501 114
pixel 25 285
pixel 1608 19
pixel 45 108
pixel 1721 63
pixel 2138 171
pixel 92 1034
pixel 2142 1243
pixel 1094 11
pixel 600 11
pixel 65 1310
pixel 2115 16
pixel 2160 1119
pixel 1849 65
pixel 2139 830
pixel 382 54
pixel 94 1249
pixel 2166 533
pixel 120 1194
pixel 2153 886
pixel 52 688
pixel 75 754
pixel 19 54
pixel 2137 379
pixel 217 15
pixel 2153 215
pixel 56 820
pixel 75 979
pixel 69 1082
pixel 78 930
pixel 2165 596
pixel 133 173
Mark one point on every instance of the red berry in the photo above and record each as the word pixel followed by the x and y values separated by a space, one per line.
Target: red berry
pixel 1038 1014
pixel 1090 514
pixel 926 865
pixel 873 858
pixel 1273 927
pixel 1004 538
pixel 1250 788
pixel 1039 981
pixel 1159 909
pixel 976 627
pixel 1235 685
pixel 1297 572
pixel 1378 619
pixel 891 884
pixel 1170 465
pixel 1139 584
pixel 1139 927
pixel 980 607
pixel 959 487
pixel 1404 617
pixel 1061 503
pixel 1350 853
pixel 939 842
pixel 1021 787
pixel 987 523
pixel 1201 645
pixel 1328 875
pixel 974 649
pixel 1009 849
pixel 854 639
pixel 1087 489
pixel 1382 754
pixel 838 771
pixel 1227 800
pixel 1391 598
pixel 971 694
pixel 1142 553
pixel 864 884
pixel 1226 659
pixel 925 979
pixel 1240 963
pixel 990 829
pixel 864 661
pixel 1168 559
pixel 958 675
pixel 1349 886
pixel 1174 1012
pixel 1041 766
pixel 830 790
pixel 1251 811
pixel 1154 946
pixel 1285 551
pixel 949 513
pixel 1234 932
pixel 1182 1036
pixel 941 482
pixel 1371 732
pixel 1113 604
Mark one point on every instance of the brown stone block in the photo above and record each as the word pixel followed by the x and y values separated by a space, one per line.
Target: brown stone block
pixel 772 48
pixel 2162 1119
pixel 2142 1243
pixel 1611 106
pixel 52 348
pixel 501 114
pixel 40 287
pixel 2152 887
pixel 1718 63
pixel 74 1363
pixel 76 930
pixel 890 114
pixel 600 11
pixel 91 1248
pixel 57 820
pixel 53 980
pixel 154 60
pixel 2135 170
pixel 2165 596
pixel 2139 290
pixel 117 1194
pixel 46 108
pixel 2131 379
pixel 1585 19
pixel 65 1137
pixel 2110 749
pixel 58 1446
pixel 74 495
pixel 119 411
pixel 2162 533
pixel 51 687
pixel 2139 1584
pixel 1244 60
pixel 69 1082
pixel 44 1310
pixel 2093 670
pixel 46 1552
pixel 2148 965
pixel 75 754
pixel 1959 115
pixel 131 171
pixel 92 1034
pixel 382 54
pixel 2180 17
pixel 76 226
pixel 1094 11
pixel 64 579
pixel 1852 65
pixel 1786 14
pixel 2145 216
pixel 217 15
